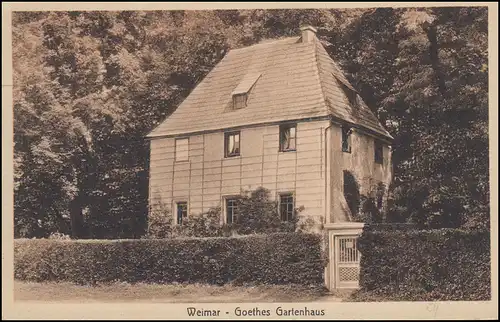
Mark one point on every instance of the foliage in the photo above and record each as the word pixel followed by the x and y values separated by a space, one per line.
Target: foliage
pixel 161 224
pixel 421 265
pixel 281 258
pixel 257 213
pixel 424 73
pixel 102 80
pixel 59 236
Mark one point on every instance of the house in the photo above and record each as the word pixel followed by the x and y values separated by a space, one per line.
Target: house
pixel 279 115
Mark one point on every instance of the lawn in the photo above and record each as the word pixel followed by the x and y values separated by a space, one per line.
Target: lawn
pixel 190 293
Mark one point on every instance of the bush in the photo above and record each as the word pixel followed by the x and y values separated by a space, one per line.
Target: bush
pixel 161 224
pixel 441 264
pixel 257 213
pixel 282 258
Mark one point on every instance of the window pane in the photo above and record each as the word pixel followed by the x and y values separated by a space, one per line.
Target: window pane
pixel 231 144
pixel 236 144
pixel 346 132
pixel 181 211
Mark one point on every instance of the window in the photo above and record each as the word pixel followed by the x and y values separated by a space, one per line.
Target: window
pixel 380 201
pixel 231 208
pixel 379 152
pixel 181 210
pixel 181 149
pixel 232 144
pixel 239 100
pixel 286 206
pixel 288 137
pixel 346 139
pixel 241 93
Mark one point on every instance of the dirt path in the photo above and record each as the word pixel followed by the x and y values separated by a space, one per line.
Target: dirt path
pixel 66 292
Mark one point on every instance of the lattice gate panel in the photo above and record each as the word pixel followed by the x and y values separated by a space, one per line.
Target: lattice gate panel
pixel 348 274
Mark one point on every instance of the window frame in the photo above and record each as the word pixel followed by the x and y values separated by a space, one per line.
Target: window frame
pixel 241 99
pixel 282 129
pixel 175 149
pixel 346 134
pixel 378 148
pixel 286 194
pixel 226 199
pixel 226 144
pixel 176 211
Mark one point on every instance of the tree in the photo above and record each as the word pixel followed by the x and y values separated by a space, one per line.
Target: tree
pixel 88 86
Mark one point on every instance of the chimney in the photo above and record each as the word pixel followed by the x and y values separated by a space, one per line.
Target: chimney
pixel 308 33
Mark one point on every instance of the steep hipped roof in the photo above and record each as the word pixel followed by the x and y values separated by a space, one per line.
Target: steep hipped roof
pixel 285 79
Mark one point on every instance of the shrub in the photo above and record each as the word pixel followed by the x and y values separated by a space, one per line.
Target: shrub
pixel 160 221
pixel 160 224
pixel 281 258
pixel 257 213
pixel 409 264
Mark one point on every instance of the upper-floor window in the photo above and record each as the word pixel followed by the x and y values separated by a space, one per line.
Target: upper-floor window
pixel 346 139
pixel 181 211
pixel 181 149
pixel 231 144
pixel 288 137
pixel 379 152
pixel 286 206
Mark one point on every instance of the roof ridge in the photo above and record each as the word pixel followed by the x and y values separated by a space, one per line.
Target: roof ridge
pixel 320 79
pixel 267 41
pixel 339 77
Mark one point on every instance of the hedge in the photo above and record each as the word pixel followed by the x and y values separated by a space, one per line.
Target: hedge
pixel 441 264
pixel 281 258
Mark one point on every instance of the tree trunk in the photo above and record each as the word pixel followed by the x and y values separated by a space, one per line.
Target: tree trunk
pixel 76 217
pixel 431 32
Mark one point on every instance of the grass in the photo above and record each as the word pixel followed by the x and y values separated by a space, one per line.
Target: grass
pixel 175 293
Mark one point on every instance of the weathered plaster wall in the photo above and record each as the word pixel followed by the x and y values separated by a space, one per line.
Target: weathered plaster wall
pixel 361 163
pixel 208 176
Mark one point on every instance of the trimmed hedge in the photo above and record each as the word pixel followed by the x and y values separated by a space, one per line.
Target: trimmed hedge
pixel 281 258
pixel 441 264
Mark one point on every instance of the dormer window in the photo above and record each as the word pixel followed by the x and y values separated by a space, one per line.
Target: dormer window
pixel 239 101
pixel 241 93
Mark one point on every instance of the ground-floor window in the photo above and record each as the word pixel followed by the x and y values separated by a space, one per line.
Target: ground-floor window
pixel 286 206
pixel 181 210
pixel 231 210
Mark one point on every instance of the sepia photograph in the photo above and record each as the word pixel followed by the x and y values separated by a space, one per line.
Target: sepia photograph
pixel 299 157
